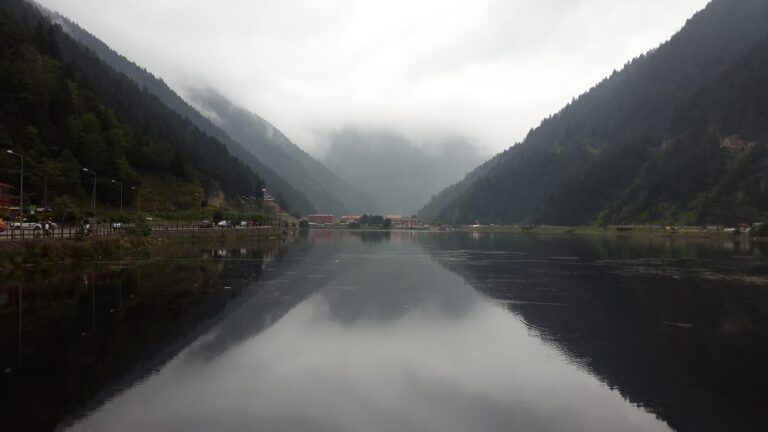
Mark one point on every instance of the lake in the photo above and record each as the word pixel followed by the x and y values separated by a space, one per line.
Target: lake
pixel 395 331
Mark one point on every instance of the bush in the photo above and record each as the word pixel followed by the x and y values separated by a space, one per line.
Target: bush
pixel 218 216
pixel 140 229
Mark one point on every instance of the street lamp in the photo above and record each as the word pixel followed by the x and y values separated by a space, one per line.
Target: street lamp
pixel 121 195
pixel 138 191
pixel 199 205
pixel 93 194
pixel 21 185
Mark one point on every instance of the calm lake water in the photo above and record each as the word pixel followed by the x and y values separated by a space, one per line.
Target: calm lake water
pixel 400 331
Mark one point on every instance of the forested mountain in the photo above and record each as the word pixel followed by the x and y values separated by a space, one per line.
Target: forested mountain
pixel 294 199
pixel 431 211
pixel 397 174
pixel 65 110
pixel 327 192
pixel 677 136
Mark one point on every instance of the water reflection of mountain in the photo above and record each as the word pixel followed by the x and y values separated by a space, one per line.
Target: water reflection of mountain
pixel 670 326
pixel 86 336
pixel 282 288
pixel 365 290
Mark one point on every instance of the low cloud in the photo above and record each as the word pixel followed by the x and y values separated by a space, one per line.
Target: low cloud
pixel 489 70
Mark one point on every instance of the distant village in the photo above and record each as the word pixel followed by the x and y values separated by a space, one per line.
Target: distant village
pixel 396 221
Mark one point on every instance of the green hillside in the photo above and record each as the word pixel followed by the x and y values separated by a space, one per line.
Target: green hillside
pixel 66 110
pixel 326 190
pixel 295 199
pixel 648 144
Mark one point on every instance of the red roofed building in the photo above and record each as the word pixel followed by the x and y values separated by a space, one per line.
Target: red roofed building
pixel 320 219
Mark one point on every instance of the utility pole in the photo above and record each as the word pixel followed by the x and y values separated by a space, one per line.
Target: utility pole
pixel 138 191
pixel 45 190
pixel 93 194
pixel 199 205
pixel 21 188
pixel 121 195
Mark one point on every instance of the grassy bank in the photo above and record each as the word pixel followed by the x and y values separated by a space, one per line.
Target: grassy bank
pixel 30 253
pixel 652 231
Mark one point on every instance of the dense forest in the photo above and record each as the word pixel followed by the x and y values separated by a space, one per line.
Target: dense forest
pixel 293 199
pixel 66 110
pixel 677 136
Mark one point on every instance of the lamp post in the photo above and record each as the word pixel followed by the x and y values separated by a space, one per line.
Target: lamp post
pixel 199 206
pixel 138 191
pixel 21 187
pixel 93 194
pixel 121 195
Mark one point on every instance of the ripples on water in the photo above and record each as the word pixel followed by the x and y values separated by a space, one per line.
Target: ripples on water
pixel 398 331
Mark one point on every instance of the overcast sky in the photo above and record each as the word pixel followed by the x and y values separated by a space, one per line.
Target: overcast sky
pixel 485 69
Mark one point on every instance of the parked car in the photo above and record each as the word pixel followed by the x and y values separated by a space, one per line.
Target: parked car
pixel 223 224
pixel 206 224
pixel 2 225
pixel 118 225
pixel 27 226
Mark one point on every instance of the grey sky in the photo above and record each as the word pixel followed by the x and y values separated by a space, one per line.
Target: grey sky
pixel 485 69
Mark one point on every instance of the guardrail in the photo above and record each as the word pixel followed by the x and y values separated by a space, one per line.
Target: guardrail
pixel 102 230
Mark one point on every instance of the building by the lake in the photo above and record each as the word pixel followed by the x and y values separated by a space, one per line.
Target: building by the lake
pixel 321 219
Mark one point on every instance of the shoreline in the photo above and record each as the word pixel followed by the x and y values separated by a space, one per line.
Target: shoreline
pixel 633 231
pixel 18 255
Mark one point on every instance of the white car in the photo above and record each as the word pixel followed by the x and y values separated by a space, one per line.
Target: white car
pixel 223 224
pixel 27 226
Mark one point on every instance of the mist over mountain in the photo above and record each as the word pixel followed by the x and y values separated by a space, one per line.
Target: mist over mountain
pixel 293 199
pixel 326 191
pixel 67 111
pixel 677 136
pixel 397 174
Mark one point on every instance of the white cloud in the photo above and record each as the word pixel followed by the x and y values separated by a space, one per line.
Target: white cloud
pixel 487 69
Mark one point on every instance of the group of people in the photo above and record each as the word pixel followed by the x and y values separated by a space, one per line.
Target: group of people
pixel 86 229
pixel 48 226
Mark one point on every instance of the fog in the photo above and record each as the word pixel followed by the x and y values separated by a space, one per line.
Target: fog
pixel 397 174
pixel 486 70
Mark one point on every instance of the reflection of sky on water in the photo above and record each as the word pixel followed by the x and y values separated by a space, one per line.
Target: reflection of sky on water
pixel 389 341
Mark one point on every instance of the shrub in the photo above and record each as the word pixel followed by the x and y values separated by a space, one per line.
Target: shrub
pixel 140 229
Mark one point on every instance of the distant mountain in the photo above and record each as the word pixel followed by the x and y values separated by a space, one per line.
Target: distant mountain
pixel 327 192
pixel 666 139
pixel 295 199
pixel 65 109
pixel 397 174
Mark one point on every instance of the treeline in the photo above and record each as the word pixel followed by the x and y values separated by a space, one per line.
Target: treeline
pixel 65 110
pixel 372 221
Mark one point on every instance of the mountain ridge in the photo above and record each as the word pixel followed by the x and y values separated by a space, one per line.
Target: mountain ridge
pixel 67 110
pixel 295 199
pixel 603 138
pixel 327 191
pixel 393 170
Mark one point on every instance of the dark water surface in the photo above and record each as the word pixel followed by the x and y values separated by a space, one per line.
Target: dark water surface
pixel 401 331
